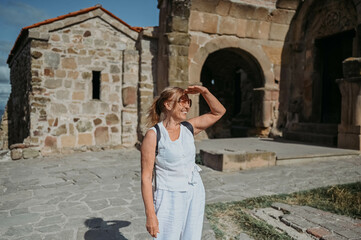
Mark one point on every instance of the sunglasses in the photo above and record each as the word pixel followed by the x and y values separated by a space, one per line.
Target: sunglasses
pixel 184 100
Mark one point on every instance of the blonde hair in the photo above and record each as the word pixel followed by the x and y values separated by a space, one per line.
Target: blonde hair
pixel 157 109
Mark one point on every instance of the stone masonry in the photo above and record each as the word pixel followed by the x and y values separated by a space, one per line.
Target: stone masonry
pixel 258 29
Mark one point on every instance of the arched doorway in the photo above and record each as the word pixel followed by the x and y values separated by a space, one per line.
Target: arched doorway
pixel 232 74
pixel 328 38
pixel 331 51
pixel 320 38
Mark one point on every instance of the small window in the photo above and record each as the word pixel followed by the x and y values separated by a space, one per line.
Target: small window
pixel 96 85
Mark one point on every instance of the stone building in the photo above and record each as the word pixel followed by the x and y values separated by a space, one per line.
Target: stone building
pixel 85 80
pixel 76 82
pixel 277 65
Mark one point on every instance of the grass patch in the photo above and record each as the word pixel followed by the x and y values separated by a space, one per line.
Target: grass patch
pixel 228 220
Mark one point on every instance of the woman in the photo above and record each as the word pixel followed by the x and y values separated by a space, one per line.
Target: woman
pixel 175 209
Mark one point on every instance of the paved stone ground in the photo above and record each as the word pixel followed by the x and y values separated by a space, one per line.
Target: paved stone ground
pixel 97 195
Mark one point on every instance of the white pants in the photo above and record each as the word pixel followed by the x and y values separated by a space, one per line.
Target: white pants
pixel 180 214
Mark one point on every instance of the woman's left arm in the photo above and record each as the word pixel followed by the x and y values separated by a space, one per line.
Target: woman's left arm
pixel 204 121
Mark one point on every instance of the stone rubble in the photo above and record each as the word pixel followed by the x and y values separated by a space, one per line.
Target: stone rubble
pixel 304 222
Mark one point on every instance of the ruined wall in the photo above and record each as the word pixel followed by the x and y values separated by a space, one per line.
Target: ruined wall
pixel 257 28
pixel 64 114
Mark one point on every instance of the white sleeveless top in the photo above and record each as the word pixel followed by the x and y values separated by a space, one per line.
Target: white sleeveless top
pixel 175 162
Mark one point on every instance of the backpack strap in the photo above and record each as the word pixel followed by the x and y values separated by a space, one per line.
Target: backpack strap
pixel 158 138
pixel 156 153
pixel 189 126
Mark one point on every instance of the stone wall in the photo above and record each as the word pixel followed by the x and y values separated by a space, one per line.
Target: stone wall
pixel 64 114
pixel 259 30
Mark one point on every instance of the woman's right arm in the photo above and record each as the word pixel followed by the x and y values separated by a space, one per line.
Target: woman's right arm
pixel 147 163
pixel 206 120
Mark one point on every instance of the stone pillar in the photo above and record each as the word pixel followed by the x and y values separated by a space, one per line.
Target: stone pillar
pixel 129 97
pixel 349 130
pixel 265 107
pixel 148 75
pixel 173 29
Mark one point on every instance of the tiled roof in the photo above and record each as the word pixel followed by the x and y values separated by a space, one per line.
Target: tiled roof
pixel 85 10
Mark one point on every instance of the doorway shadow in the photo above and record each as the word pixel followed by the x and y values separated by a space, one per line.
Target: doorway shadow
pixel 104 230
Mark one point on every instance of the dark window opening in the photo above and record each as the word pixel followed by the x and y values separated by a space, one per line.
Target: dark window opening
pixel 96 85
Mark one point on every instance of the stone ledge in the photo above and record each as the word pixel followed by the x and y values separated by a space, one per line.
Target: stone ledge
pixel 230 160
pixel 23 151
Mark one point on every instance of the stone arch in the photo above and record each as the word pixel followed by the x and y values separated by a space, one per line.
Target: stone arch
pixel 251 47
pixel 250 51
pixel 307 8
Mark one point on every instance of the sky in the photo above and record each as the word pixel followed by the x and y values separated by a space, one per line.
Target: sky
pixel 16 14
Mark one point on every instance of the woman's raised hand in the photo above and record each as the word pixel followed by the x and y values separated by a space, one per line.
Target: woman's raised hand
pixel 196 89
pixel 206 120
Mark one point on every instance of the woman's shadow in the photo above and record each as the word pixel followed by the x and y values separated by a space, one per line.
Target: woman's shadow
pixel 104 230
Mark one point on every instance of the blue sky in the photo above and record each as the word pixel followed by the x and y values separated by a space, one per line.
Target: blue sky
pixel 16 14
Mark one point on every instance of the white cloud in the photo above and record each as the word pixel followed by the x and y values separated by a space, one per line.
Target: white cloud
pixel 5 47
pixel 5 90
pixel 20 14
pixel 4 75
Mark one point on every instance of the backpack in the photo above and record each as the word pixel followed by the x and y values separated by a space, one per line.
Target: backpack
pixel 186 124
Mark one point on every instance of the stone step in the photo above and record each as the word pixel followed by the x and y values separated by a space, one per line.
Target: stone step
pixel 229 160
pixel 315 138
pixel 321 128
